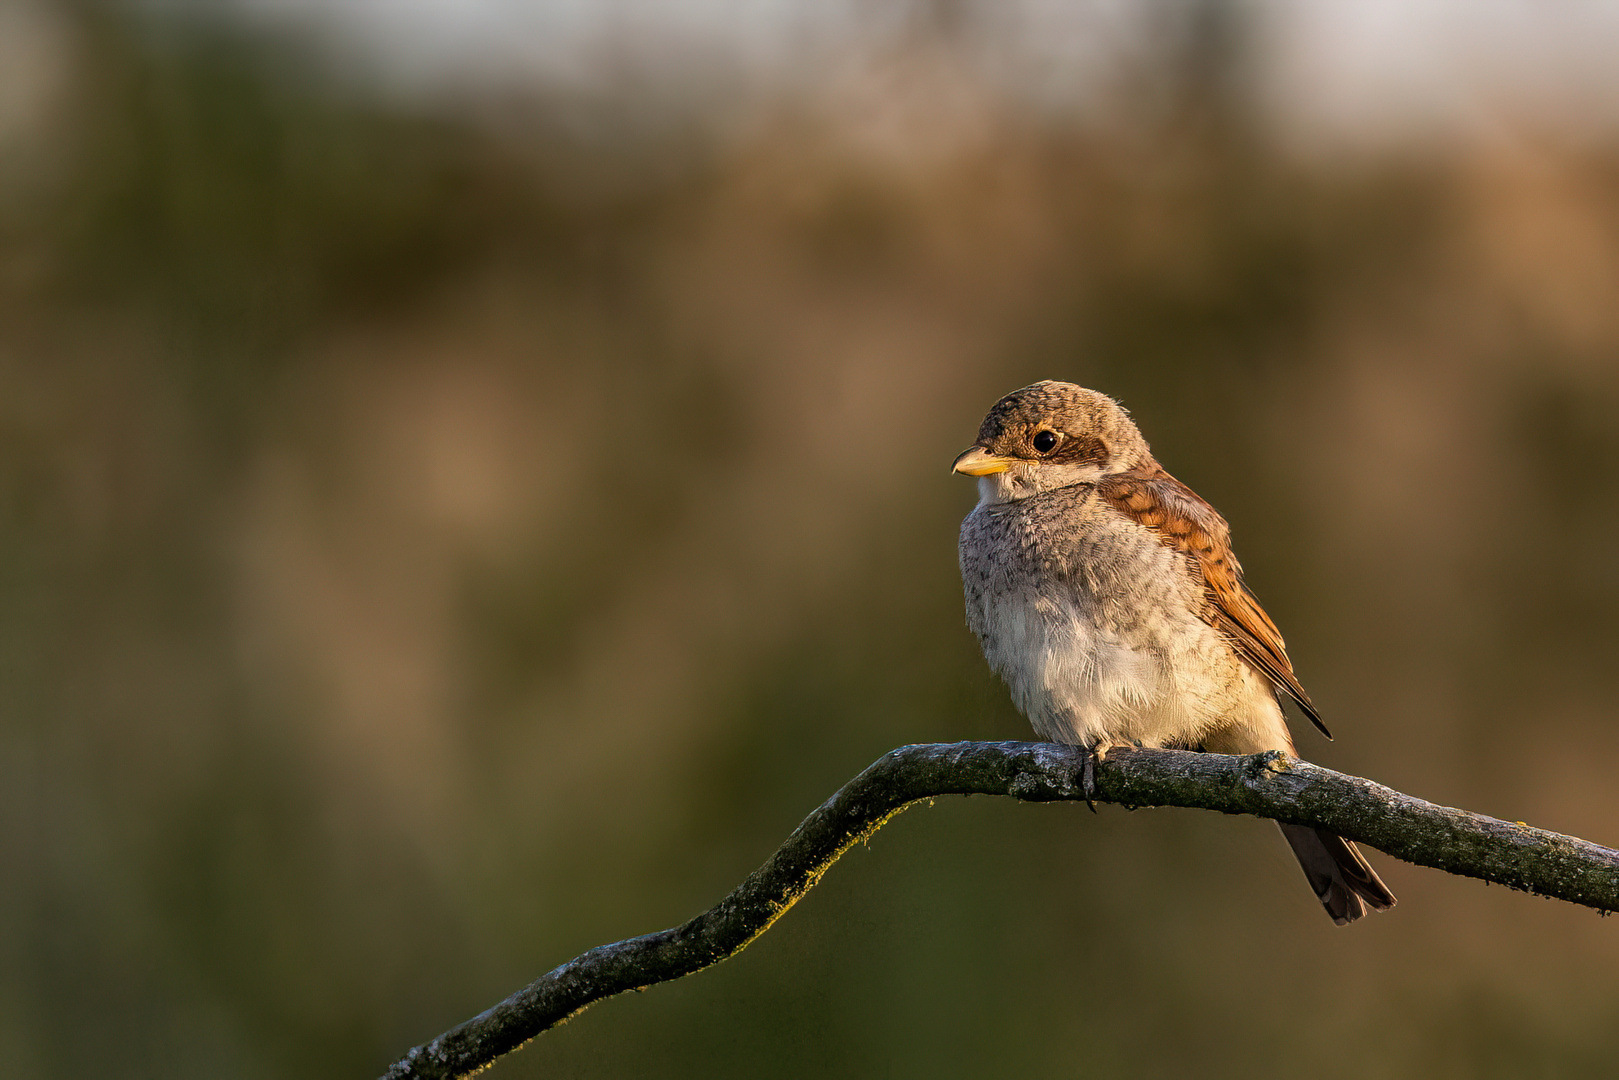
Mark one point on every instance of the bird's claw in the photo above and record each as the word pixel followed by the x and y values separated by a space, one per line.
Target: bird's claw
pixel 1087 773
pixel 1087 776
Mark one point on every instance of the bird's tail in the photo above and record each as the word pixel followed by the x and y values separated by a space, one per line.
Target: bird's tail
pixel 1342 880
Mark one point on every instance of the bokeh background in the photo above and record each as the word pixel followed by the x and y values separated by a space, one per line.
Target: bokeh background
pixel 474 476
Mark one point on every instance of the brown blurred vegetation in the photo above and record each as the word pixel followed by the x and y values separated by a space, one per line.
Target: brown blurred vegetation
pixel 439 540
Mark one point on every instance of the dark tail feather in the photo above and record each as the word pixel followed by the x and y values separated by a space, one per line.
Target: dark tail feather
pixel 1342 881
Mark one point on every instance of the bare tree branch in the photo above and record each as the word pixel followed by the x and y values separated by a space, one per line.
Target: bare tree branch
pixel 1268 785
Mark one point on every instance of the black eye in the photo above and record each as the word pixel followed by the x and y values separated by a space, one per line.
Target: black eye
pixel 1045 441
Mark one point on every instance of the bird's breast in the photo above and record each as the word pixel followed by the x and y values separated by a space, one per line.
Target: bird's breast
pixel 1090 620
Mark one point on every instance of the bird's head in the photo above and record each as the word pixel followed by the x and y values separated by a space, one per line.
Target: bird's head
pixel 1051 435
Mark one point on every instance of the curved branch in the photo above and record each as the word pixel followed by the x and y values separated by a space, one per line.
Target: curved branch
pixel 1268 785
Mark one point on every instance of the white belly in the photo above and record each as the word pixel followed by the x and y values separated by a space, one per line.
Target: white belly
pixel 1078 682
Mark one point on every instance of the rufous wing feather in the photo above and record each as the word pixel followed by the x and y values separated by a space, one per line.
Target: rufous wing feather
pixel 1184 522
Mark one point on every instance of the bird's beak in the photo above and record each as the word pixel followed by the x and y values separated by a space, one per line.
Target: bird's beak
pixel 976 461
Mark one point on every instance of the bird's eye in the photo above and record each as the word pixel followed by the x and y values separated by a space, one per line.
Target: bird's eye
pixel 1045 441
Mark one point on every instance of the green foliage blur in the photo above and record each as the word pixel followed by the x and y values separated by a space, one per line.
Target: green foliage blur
pixel 437 538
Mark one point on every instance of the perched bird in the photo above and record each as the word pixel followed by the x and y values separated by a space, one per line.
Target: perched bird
pixel 1104 591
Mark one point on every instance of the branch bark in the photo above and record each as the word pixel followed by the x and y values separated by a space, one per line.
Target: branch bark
pixel 1269 785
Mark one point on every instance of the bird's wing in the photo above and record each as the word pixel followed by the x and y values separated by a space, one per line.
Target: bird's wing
pixel 1183 521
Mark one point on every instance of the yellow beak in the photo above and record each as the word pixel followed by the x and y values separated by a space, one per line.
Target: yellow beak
pixel 976 461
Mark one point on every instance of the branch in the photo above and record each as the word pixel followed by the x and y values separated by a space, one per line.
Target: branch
pixel 1268 785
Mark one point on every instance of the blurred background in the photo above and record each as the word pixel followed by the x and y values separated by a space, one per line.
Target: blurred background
pixel 476 475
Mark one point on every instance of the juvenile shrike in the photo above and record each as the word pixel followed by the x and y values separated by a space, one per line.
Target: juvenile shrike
pixel 1105 593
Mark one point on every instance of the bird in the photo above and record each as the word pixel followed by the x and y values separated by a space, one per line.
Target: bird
pixel 1106 594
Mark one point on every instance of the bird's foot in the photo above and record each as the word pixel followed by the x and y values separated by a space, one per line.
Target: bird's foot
pixel 1087 773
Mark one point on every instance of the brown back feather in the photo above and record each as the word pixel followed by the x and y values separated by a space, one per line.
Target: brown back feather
pixel 1184 522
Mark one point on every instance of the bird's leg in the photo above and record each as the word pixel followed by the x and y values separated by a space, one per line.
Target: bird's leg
pixel 1094 753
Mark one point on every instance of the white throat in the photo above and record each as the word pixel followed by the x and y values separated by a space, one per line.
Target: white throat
pixel 1024 480
pixel 1005 487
